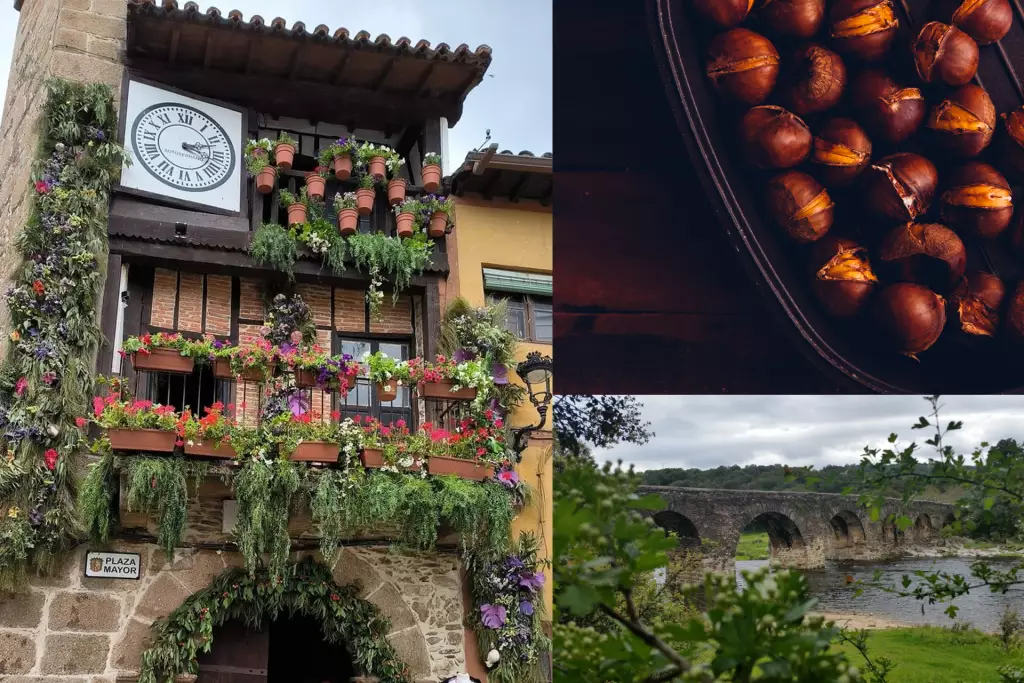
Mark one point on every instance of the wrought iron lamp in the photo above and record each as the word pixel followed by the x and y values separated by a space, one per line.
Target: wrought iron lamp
pixel 535 372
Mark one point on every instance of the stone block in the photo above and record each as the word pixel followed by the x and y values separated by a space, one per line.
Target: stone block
pixel 76 40
pixel 90 22
pixel 22 610
pixel 352 569
pixel 128 651
pixel 75 66
pixel 72 653
pixel 17 653
pixel 45 679
pixel 109 8
pixel 62 572
pixel 162 597
pixel 84 612
pixel 389 601
pixel 411 648
pixel 203 567
pixel 105 48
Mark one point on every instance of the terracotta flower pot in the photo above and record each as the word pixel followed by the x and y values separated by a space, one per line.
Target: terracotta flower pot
pixel 284 155
pixel 431 175
pixel 222 370
pixel 348 221
pixel 305 379
pixel 266 179
pixel 464 469
pixel 343 167
pixel 316 451
pixel 296 213
pixel 206 449
pixel 152 440
pixel 438 224
pixel 377 168
pixel 403 225
pixel 350 381
pixel 396 191
pixel 315 185
pixel 387 391
pixel 163 360
pixel 364 200
pixel 372 458
pixel 443 389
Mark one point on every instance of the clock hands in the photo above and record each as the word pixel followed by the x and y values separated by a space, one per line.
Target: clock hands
pixel 192 148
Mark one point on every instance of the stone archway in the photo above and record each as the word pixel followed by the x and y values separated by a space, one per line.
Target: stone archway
pixel 686 530
pixel 922 527
pixel 786 541
pixel 848 529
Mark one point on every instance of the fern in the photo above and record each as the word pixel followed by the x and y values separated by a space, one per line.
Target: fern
pixel 397 260
pixel 160 486
pixel 264 491
pixel 274 246
pixel 96 499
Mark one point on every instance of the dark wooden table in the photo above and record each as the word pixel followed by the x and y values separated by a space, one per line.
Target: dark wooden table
pixel 650 296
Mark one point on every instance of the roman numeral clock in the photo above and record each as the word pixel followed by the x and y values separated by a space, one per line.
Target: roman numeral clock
pixel 185 150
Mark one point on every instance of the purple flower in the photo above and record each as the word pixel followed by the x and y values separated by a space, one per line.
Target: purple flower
pixel 296 404
pixel 462 355
pixel 532 580
pixel 492 616
pixel 526 607
pixel 499 373
pixel 508 478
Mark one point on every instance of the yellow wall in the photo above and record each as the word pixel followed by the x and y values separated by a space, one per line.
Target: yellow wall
pixel 495 235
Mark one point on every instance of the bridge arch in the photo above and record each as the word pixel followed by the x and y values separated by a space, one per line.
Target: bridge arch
pixel 848 529
pixel 685 529
pixel 922 527
pixel 783 533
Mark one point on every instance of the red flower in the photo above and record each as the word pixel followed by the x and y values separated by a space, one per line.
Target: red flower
pixel 335 597
pixel 97 406
pixel 42 187
pixel 481 451
pixel 38 288
pixel 336 415
pixel 79 422
pixel 51 456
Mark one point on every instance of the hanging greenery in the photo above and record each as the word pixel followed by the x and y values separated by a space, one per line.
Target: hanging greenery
pixel 306 588
pixel 46 376
pixel 160 485
pixel 263 490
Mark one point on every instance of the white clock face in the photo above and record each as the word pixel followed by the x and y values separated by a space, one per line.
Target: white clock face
pixel 183 147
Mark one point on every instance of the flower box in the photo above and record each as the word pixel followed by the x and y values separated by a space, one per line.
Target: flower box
pixel 163 360
pixel 206 449
pixel 464 469
pixel 371 458
pixel 222 370
pixel 444 389
pixel 316 451
pixel 305 379
pixel 387 391
pixel 153 440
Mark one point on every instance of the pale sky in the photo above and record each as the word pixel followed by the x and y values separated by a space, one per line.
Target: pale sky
pixel 514 99
pixel 708 431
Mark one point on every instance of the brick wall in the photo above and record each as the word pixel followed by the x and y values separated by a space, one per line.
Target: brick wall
pixel 178 302
pixel 396 318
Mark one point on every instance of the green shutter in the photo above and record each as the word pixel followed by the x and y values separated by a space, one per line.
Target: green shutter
pixel 521 283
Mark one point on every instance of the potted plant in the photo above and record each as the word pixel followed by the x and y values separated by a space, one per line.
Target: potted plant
pixel 258 164
pixel 431 172
pixel 447 379
pixel 253 362
pixel 316 182
pixel 159 352
pixel 348 215
pixel 284 151
pixel 387 373
pixel 376 157
pixel 438 214
pixel 322 441
pixel 296 206
pixel 389 447
pixel 136 425
pixel 406 215
pixel 396 185
pixel 339 155
pixel 210 435
pixel 366 194
pixel 473 450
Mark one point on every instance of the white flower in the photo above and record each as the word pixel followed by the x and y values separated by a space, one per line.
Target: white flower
pixel 52 431
pixel 492 658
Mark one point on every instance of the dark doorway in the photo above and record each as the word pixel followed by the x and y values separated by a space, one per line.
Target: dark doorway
pixel 299 653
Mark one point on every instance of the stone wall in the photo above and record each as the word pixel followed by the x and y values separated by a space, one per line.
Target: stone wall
pixel 72 629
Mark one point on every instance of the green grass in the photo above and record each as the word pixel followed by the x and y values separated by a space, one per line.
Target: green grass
pixel 753 546
pixel 935 655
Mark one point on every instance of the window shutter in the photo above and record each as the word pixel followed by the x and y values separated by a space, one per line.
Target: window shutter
pixel 496 280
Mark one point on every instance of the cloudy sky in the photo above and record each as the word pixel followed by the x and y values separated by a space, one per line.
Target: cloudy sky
pixel 514 99
pixel 708 431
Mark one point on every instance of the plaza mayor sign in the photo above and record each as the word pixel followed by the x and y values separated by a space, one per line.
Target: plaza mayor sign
pixel 113 565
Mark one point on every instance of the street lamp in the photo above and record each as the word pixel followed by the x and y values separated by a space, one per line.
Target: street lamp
pixel 535 372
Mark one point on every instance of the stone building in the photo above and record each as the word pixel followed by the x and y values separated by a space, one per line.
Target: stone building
pixel 180 262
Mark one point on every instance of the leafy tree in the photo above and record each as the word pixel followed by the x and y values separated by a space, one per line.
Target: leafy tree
pixel 600 421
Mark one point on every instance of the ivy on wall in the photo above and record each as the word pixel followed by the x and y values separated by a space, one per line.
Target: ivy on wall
pixel 46 376
pixel 255 599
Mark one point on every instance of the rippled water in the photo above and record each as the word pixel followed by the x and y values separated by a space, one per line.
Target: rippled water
pixel 980 607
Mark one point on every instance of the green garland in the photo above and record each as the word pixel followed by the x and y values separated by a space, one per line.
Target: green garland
pixel 307 588
pixel 46 377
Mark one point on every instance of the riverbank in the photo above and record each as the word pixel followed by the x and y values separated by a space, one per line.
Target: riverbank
pixel 858 621
pixel 962 547
pixel 927 654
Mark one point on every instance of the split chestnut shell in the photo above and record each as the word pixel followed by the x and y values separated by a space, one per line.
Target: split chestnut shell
pixel 841 150
pixel 978 200
pixel 743 65
pixel 843 278
pixel 901 186
pixel 774 137
pixel 976 303
pixel 925 253
pixel 863 28
pixel 964 122
pixel 945 54
pixel 890 111
pixel 800 205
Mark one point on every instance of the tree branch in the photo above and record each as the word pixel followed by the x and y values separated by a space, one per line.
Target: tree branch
pixel 651 640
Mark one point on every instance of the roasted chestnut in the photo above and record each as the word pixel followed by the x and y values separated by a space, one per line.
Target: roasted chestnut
pixel 984 20
pixel 797 18
pixel 774 137
pixel 911 316
pixel 1015 313
pixel 926 253
pixel 843 279
pixel 744 65
pixel 963 123
pixel 863 28
pixel 978 199
pixel 901 186
pixel 890 111
pixel 945 54
pixel 841 150
pixel 815 80
pixel 725 13
pixel 1013 147
pixel 800 205
pixel 976 302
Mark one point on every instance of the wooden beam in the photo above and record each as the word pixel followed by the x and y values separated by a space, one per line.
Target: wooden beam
pixel 172 52
pixel 339 71
pixel 408 139
pixel 293 70
pixel 421 83
pixel 108 313
pixel 432 136
pixel 517 189
pixel 384 73
pixel 249 57
pixel 208 50
pixel 488 189
pixel 545 198
pixel 480 165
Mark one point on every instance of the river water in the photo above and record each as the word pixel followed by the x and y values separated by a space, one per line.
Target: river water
pixel 980 607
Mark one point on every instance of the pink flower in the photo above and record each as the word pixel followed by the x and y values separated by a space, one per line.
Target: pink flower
pixel 296 337
pixel 51 456
pixel 42 187
pixel 79 422
pixel 97 406
pixel 20 386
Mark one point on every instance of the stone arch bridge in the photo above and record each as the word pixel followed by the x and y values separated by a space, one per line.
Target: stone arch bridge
pixel 804 528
